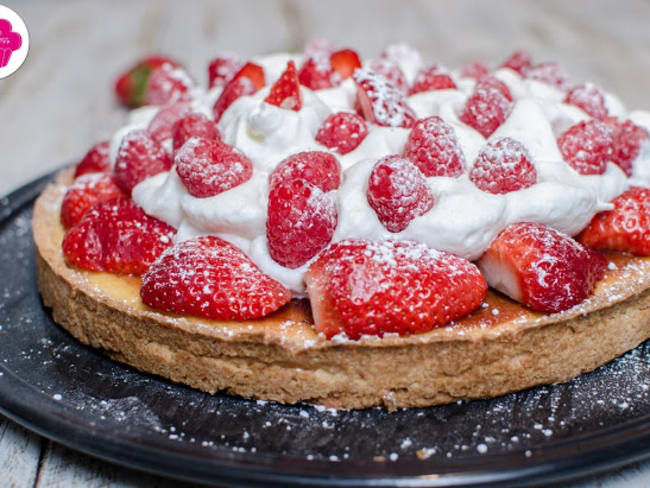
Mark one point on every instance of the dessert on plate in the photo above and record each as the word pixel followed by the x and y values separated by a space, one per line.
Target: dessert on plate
pixel 314 227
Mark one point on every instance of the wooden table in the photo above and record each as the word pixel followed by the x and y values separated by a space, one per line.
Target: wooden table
pixel 61 100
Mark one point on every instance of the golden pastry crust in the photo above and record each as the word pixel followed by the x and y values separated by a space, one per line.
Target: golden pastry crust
pixel 500 348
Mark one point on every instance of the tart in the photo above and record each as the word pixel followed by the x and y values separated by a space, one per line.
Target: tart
pixel 317 228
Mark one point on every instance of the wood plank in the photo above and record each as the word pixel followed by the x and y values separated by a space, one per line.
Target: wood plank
pixel 19 455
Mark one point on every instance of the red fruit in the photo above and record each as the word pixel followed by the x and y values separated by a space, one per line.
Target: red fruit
pixel 96 160
pixel 301 221
pixel 116 236
pixel 345 62
pixel 494 82
pixel 628 140
pixel 222 69
pixel 193 125
pixel 433 147
pixel 285 92
pixel 503 166
pixel 625 228
pixel 86 191
pixel 318 168
pixel 208 167
pixel 390 70
pixel 589 99
pixel 519 61
pixel 486 110
pixel 380 102
pixel 317 74
pixel 361 287
pixel 247 81
pixel 167 84
pixel 342 131
pixel 550 73
pixel 318 46
pixel 541 268
pixel 587 146
pixel 398 192
pixel 209 277
pixel 131 86
pixel 161 125
pixel 474 70
pixel 139 157
pixel 432 78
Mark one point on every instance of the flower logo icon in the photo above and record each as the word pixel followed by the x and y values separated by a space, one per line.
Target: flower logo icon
pixel 14 41
pixel 10 41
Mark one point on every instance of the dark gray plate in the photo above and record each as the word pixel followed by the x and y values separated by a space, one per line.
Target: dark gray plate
pixel 75 395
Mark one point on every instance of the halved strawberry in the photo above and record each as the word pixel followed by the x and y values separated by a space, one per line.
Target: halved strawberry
pixel 247 81
pixel 193 125
pixel 380 102
pixel 342 131
pixel 223 68
pixel 167 84
pixel 285 92
pixel 96 160
pixel 319 168
pixel 503 166
pixel 587 146
pixel 629 138
pixel 625 228
pixel 317 74
pixel 432 78
pixel 139 157
pixel 359 287
pixel 474 69
pixel 118 237
pixel 589 98
pixel 541 268
pixel 130 87
pixel 518 61
pixel 485 110
pixel 433 147
pixel 86 191
pixel 345 62
pixel 161 124
pixel 209 277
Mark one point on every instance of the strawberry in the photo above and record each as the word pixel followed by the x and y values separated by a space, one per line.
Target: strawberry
pixel 247 81
pixel 342 131
pixel 491 81
pixel 301 221
pixel 223 68
pixel 139 157
pixel 116 236
pixel 317 74
pixel 629 139
pixel 475 69
pixel 433 147
pixel 319 168
pixel 393 74
pixel 209 277
pixel 345 62
pixel 503 166
pixel 432 78
pixel 588 98
pixel 518 61
pixel 587 146
pixel 549 73
pixel 541 268
pixel 161 124
pixel 208 167
pixel 130 87
pixel 193 125
pixel 625 228
pixel 398 192
pixel 485 110
pixel 166 85
pixel 285 92
pixel 86 191
pixel 359 287
pixel 380 102
pixel 96 160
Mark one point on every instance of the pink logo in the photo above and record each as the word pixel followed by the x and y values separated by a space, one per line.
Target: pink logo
pixel 10 41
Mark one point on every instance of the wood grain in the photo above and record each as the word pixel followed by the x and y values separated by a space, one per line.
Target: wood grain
pixel 19 455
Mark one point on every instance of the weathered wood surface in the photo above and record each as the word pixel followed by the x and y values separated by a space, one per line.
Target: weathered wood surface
pixel 60 100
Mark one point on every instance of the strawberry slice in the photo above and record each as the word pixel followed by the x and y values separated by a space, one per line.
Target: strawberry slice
pixel 209 277
pixel 359 287
pixel 587 146
pixel 319 168
pixel 503 166
pixel 342 131
pixel 139 157
pixel 389 69
pixel 96 160
pixel 541 268
pixel 161 124
pixel 193 125
pixel 247 81
pixel 588 98
pixel 433 147
pixel 485 110
pixel 285 92
pixel 118 237
pixel 317 74
pixel 223 68
pixel 432 78
pixel 380 102
pixel 208 167
pixel 130 87
pixel 345 62
pixel 625 228
pixel 398 192
pixel 167 84
pixel 474 69
pixel 629 139
pixel 518 61
pixel 86 191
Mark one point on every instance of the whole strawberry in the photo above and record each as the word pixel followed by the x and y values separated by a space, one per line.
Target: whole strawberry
pixel 86 191
pixel 95 161
pixel 131 87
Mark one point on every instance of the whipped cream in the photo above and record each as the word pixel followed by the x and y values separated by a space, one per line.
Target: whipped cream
pixel 464 219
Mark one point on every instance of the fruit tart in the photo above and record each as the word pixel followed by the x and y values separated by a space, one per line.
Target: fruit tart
pixel 317 227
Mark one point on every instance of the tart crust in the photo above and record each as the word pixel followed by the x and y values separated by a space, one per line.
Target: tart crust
pixel 500 348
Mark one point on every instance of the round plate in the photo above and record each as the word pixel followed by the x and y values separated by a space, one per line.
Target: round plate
pixel 52 384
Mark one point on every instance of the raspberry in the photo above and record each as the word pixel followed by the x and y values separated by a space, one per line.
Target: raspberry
pixel 318 168
pixel 317 74
pixel 86 191
pixel 491 81
pixel 589 99
pixel 391 71
pixel 587 146
pixel 160 126
pixel 380 102
pixel 193 125
pixel 432 78
pixel 209 277
pixel 285 92
pixel 139 157
pixel 95 161
pixel 301 221
pixel 550 73
pixel 503 166
pixel 519 61
pixel 345 62
pixel 398 192
pixel 486 110
pixel 222 69
pixel 342 131
pixel 433 147
pixel 629 138
pixel 474 70
pixel 167 84
pixel 208 167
